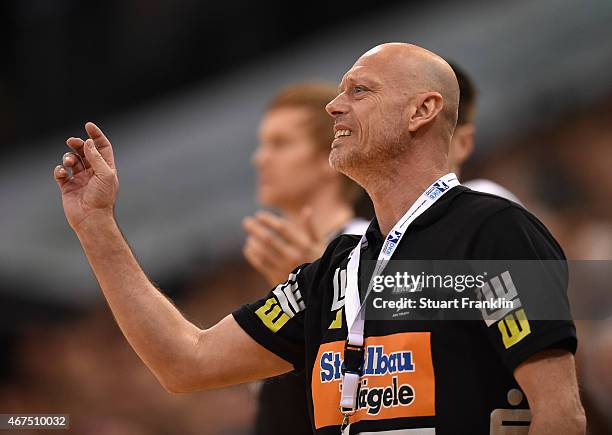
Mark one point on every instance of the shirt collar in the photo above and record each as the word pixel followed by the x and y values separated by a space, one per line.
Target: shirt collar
pixel 435 212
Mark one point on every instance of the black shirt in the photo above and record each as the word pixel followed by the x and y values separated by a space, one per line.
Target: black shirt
pixel 290 391
pixel 451 376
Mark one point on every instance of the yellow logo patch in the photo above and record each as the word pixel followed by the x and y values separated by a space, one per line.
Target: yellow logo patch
pixel 514 327
pixel 272 315
pixel 337 322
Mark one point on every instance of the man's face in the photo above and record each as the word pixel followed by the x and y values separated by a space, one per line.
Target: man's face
pixel 290 166
pixel 370 115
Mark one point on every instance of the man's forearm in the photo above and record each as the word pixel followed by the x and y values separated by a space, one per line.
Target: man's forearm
pixel 548 378
pixel 570 423
pixel 157 331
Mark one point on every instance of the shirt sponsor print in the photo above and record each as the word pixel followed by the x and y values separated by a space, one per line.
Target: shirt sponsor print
pixel 285 303
pixel 512 322
pixel 513 421
pixel 398 379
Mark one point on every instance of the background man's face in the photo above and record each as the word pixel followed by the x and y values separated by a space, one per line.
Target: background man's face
pixel 372 105
pixel 461 146
pixel 290 166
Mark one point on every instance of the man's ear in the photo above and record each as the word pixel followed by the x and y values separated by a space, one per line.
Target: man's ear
pixel 428 106
pixel 462 144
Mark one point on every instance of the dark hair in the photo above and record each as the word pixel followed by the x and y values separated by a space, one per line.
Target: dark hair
pixel 467 96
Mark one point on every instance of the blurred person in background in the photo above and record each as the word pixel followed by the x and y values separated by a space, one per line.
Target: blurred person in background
pixel 294 177
pixel 595 354
pixel 464 137
pixel 316 204
pixel 595 370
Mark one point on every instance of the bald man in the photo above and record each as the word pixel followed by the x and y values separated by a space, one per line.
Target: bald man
pixel 394 118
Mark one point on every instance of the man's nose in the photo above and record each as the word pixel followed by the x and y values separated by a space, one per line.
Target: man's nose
pixel 337 106
pixel 258 157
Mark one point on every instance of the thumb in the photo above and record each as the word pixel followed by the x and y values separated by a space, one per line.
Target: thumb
pixel 95 159
pixel 306 222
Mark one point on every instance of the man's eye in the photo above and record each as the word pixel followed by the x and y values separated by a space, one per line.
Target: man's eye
pixel 358 89
pixel 279 144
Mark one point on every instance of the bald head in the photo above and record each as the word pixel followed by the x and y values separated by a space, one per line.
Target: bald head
pixel 398 102
pixel 412 69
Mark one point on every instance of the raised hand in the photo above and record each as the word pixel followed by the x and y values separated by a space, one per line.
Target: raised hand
pixel 275 246
pixel 90 188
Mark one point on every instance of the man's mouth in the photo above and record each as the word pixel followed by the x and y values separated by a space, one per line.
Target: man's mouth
pixel 341 133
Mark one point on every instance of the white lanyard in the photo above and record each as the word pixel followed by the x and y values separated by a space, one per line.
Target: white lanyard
pixel 354 312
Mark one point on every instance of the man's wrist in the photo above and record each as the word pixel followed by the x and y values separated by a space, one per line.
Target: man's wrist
pixel 95 223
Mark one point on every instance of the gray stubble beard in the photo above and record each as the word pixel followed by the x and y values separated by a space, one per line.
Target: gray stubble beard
pixel 361 166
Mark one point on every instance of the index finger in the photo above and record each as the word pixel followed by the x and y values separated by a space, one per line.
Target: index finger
pixel 102 143
pixel 76 143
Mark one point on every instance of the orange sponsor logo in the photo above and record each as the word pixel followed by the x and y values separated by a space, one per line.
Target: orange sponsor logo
pixel 398 379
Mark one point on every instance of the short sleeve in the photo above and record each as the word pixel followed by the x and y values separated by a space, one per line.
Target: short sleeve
pixel 531 268
pixel 277 321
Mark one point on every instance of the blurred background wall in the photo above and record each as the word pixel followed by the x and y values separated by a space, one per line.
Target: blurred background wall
pixel 179 87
